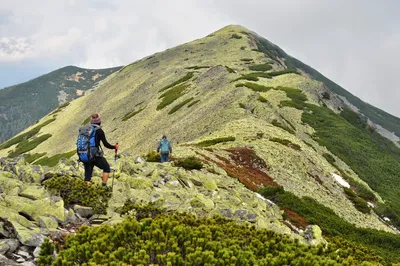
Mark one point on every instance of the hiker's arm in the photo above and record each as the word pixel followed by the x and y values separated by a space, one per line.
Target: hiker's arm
pixel 102 138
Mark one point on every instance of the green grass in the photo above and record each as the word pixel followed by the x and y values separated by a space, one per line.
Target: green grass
pixel 385 244
pixel 262 99
pixel 197 67
pixel 188 76
pixel 27 145
pixel 286 142
pixel 254 86
pixel 179 106
pixel 211 142
pixel 132 114
pixel 193 103
pixel 53 161
pixel 171 95
pixel 30 158
pixel 230 70
pixel 25 135
pixel 261 67
pixel 279 124
pixel 373 158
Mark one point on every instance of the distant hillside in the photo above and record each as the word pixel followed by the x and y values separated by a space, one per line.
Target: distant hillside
pixel 23 104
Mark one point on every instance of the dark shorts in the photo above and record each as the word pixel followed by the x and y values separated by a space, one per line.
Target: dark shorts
pixel 100 162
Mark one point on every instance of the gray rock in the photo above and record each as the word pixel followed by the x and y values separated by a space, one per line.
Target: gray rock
pixel 240 214
pixel 3 231
pixel 36 252
pixel 196 182
pixel 84 212
pixel 226 213
pixel 251 216
pixel 140 160
pixel 10 244
pixel 313 235
pixel 5 261
pixel 28 263
pixel 24 254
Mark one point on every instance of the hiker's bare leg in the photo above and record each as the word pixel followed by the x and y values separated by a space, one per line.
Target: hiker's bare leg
pixel 105 177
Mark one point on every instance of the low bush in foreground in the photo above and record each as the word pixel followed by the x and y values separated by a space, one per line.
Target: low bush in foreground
pixel 76 191
pixel 183 239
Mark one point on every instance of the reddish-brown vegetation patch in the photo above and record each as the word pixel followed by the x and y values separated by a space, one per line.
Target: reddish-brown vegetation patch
pixel 246 166
pixel 295 219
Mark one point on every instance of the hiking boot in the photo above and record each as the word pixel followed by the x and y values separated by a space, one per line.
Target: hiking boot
pixel 106 187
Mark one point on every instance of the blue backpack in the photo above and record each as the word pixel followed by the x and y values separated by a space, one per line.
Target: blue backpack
pixel 164 146
pixel 86 143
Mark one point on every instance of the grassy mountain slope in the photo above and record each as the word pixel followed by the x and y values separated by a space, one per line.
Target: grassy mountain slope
pixel 239 107
pixel 21 105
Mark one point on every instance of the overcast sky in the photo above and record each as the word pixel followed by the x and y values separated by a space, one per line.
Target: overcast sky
pixel 354 43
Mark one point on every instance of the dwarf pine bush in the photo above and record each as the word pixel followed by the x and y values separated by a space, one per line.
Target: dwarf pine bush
pixel 76 191
pixel 183 239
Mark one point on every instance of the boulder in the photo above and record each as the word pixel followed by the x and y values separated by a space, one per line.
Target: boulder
pixel 5 261
pixel 140 160
pixel 27 233
pixel 313 235
pixel 200 201
pixel 34 193
pixel 84 212
pixel 48 223
pixel 8 246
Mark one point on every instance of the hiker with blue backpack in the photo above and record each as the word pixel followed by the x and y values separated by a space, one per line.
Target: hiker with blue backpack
pixel 164 147
pixel 89 150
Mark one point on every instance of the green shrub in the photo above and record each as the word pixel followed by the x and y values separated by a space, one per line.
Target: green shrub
pixel 132 114
pixel 246 59
pixel 358 202
pixel 60 108
pixel 372 157
pixel 243 48
pixel 383 243
pixel 261 67
pixel 193 103
pixel 189 163
pixel 236 36
pixel 286 142
pixel 254 76
pixel 171 95
pixel 188 76
pixel 211 142
pixel 153 156
pixel 25 135
pixel 282 72
pixel 326 95
pixel 29 158
pixel 76 191
pixel 27 145
pixel 179 106
pixel 329 158
pixel 230 70
pixel 254 86
pixel 197 67
pixel 298 98
pixel 183 239
pixel 262 99
pixel 53 161
pixel 140 211
pixel 87 120
pixel 279 124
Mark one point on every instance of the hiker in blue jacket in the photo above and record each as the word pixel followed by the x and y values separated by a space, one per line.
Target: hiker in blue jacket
pixel 164 147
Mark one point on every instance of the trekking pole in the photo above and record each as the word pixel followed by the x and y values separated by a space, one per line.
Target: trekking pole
pixel 115 166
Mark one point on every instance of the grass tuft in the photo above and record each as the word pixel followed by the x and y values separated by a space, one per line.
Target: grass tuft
pixel 286 142
pixel 53 161
pixel 171 95
pixel 211 142
pixel 261 67
pixel 132 114
pixel 28 145
pixel 179 81
pixel 254 86
pixel 179 106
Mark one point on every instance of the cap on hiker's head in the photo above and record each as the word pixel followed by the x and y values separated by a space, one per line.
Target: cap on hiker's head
pixel 164 137
pixel 95 119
